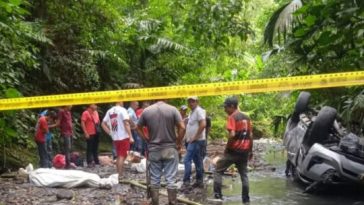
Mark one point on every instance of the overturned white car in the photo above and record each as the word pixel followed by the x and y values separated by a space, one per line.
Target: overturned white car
pixel 319 150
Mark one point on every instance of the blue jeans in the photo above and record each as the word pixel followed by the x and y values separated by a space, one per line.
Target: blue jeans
pixel 164 161
pixel 113 151
pixel 139 144
pixel 194 153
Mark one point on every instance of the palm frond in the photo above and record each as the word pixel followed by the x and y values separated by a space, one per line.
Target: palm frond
pixel 163 44
pixel 107 54
pixel 33 31
pixel 149 26
pixel 281 22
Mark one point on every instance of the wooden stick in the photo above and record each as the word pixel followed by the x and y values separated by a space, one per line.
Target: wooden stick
pixel 180 199
pixel 225 173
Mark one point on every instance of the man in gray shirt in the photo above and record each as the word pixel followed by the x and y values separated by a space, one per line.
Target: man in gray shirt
pixel 161 120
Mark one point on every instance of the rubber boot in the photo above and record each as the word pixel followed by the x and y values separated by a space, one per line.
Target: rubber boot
pixel 155 196
pixel 172 196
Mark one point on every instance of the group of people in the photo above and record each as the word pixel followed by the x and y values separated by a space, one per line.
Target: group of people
pixel 159 132
pixel 43 136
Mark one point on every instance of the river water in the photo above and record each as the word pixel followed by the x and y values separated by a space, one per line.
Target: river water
pixel 274 188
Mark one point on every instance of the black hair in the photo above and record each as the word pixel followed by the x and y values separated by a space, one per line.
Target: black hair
pixel 52 114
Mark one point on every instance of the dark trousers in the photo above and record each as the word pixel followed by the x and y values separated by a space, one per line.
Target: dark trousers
pixel 67 147
pixel 49 149
pixel 92 149
pixel 43 156
pixel 204 149
pixel 241 162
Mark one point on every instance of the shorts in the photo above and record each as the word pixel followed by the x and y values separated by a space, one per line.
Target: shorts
pixel 122 147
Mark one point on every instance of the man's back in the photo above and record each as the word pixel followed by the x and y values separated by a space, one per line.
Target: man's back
pixel 114 118
pixel 65 120
pixel 161 120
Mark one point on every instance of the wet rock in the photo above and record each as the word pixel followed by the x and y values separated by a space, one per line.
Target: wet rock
pixel 64 194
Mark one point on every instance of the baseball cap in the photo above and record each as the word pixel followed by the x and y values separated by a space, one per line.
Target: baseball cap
pixel 192 98
pixel 183 107
pixel 230 101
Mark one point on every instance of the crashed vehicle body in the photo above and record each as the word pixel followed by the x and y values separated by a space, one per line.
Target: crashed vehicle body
pixel 319 150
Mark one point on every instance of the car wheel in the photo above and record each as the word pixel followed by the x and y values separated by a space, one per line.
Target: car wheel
pixel 301 105
pixel 320 129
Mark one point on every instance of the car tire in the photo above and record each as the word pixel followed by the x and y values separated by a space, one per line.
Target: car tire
pixel 320 129
pixel 301 105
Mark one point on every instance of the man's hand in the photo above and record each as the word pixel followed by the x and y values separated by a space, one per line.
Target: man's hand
pixel 87 136
pixel 179 148
pixel 131 140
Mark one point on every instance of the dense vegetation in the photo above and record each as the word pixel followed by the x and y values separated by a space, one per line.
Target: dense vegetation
pixel 49 47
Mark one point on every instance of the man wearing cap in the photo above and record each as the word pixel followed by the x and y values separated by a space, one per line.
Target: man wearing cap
pixel 195 139
pixel 238 148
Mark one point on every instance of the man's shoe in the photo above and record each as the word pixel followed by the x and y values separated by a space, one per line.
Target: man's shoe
pixel 185 186
pixel 199 185
pixel 155 196
pixel 218 196
pixel 246 200
pixel 172 196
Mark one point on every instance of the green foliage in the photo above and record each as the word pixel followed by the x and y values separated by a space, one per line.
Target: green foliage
pixel 51 47
pixel 215 22
pixel 330 35
pixel 324 37
pixel 353 113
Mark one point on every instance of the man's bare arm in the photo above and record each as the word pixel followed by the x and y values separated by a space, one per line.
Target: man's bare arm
pixel 181 129
pixel 141 132
pixel 105 128
pixel 128 130
pixel 83 126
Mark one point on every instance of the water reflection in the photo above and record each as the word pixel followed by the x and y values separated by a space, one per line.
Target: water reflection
pixel 274 188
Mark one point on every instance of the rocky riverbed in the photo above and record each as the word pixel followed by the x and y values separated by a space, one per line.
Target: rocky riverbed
pixel 18 190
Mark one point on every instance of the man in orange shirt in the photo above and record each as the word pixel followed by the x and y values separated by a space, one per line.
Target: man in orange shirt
pixel 238 148
pixel 90 125
pixel 41 130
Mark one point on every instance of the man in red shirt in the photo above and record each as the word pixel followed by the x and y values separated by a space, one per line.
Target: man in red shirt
pixel 90 125
pixel 66 127
pixel 238 148
pixel 40 137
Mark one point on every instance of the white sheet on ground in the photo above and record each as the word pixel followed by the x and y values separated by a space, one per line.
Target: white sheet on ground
pixel 69 178
pixel 142 166
pixel 44 177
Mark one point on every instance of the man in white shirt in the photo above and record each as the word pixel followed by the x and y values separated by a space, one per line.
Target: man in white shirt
pixel 138 142
pixel 195 139
pixel 116 124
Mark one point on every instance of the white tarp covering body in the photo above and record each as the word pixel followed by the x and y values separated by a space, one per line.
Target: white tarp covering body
pixel 69 178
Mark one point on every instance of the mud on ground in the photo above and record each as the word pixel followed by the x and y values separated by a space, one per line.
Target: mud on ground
pixel 18 190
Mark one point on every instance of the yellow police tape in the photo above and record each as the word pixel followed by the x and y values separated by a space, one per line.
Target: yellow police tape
pixel 209 89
